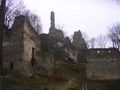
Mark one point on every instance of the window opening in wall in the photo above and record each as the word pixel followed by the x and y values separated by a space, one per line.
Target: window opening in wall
pixel 32 61
pixel 33 51
pixel 33 57
pixel 11 66
pixel 109 51
pixel 98 51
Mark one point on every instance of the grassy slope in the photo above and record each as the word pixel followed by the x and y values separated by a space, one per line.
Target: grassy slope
pixel 64 75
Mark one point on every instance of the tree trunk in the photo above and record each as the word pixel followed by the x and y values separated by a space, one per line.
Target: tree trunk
pixel 2 19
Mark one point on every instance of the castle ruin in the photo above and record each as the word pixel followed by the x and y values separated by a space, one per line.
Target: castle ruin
pixel 28 53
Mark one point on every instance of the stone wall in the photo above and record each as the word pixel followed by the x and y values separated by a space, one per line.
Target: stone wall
pixel 103 71
pixel 29 43
pixel 57 34
pixel 55 37
pixel 12 46
pixel 78 41
pixel 103 65
pixel 72 54
pixel 44 63
pixel 18 48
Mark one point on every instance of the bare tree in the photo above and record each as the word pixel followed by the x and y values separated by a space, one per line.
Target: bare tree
pixel 61 27
pixel 14 9
pixel 86 38
pixel 92 42
pixel 10 10
pixel 114 35
pixel 101 41
pixel 34 20
pixel 6 15
pixel 58 26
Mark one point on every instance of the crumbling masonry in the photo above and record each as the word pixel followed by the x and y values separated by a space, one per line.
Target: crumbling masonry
pixel 28 53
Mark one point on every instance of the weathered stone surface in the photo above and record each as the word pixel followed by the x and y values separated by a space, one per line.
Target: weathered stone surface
pixel 44 64
pixel 56 34
pixel 52 18
pixel 17 50
pixel 55 37
pixel 44 42
pixel 72 54
pixel 103 71
pixel 22 52
pixel 103 64
pixel 78 41
pixel 67 42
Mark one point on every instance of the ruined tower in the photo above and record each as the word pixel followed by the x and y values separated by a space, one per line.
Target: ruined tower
pixel 78 40
pixel 53 32
pixel 52 18
pixel 55 35
pixel 20 48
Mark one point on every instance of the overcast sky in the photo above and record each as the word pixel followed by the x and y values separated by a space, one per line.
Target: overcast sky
pixel 90 16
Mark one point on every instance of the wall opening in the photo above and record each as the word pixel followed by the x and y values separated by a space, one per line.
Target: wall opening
pixel 33 51
pixel 32 61
pixel 11 66
pixel 98 51
pixel 33 57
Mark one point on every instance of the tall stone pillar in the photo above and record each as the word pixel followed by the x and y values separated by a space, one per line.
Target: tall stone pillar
pixel 52 20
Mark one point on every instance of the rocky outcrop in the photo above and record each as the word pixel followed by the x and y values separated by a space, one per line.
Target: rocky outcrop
pixel 56 34
pixel 44 64
pixel 72 54
pixel 78 41
pixel 44 42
